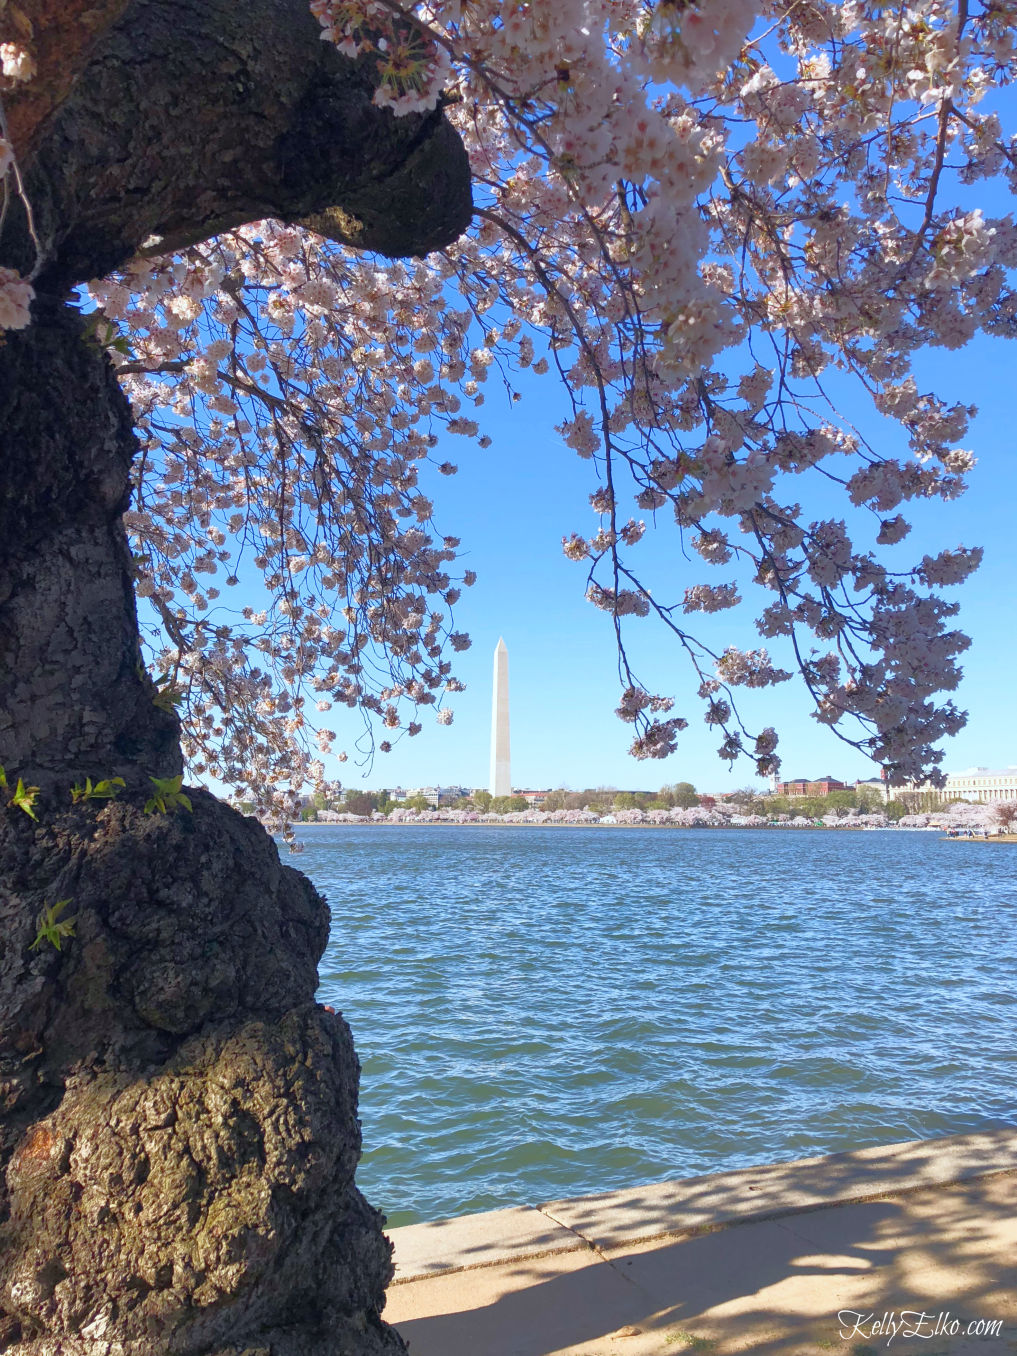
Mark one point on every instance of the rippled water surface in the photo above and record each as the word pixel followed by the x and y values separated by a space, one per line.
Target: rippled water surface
pixel 546 1012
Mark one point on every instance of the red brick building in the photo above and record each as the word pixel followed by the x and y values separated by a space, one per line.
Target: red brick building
pixel 801 786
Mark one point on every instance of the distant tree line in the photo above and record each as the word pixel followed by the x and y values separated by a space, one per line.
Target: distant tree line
pixel 599 799
pixel 675 795
pixel 865 799
pixel 362 803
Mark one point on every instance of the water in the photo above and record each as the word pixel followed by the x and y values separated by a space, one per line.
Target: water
pixel 547 1012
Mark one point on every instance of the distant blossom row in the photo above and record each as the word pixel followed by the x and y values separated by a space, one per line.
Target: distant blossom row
pixel 962 816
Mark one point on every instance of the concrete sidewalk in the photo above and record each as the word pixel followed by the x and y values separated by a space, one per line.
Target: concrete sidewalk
pixel 767 1260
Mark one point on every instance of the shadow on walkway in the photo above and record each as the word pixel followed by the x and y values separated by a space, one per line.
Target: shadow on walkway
pixel 769 1286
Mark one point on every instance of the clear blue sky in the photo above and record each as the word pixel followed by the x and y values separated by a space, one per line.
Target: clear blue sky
pixel 512 504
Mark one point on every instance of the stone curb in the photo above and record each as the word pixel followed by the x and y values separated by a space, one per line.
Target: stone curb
pixel 481 1240
pixel 697 1204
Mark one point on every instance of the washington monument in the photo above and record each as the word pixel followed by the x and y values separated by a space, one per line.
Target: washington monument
pixel 501 774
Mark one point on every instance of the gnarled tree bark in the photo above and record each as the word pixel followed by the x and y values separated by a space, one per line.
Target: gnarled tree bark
pixel 179 1130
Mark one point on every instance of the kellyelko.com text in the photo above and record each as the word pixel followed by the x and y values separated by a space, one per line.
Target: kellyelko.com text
pixel 913 1323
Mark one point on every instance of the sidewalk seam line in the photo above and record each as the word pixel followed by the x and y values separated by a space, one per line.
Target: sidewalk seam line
pixel 594 1247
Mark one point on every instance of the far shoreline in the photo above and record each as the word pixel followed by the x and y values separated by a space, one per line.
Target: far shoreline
pixel 713 828
pixel 951 833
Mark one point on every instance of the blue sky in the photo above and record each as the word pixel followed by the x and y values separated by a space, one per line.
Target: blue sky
pixel 512 504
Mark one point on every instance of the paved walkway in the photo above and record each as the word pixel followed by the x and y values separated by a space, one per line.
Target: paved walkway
pixel 797 1258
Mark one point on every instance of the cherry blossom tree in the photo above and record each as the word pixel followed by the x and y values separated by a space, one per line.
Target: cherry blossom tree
pixel 720 226
pixel 699 218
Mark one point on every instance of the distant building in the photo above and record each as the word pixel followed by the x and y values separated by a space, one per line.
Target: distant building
pixel 534 799
pixel 437 795
pixel 803 786
pixel 982 784
pixel 979 784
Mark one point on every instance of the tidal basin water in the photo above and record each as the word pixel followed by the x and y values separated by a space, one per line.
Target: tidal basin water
pixel 543 1013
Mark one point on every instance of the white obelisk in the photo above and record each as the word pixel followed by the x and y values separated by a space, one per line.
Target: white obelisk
pixel 501 773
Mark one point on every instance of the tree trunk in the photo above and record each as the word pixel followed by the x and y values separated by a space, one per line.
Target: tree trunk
pixel 180 1135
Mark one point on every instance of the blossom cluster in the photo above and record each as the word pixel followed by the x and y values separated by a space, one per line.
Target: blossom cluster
pixel 290 394
pixel 17 66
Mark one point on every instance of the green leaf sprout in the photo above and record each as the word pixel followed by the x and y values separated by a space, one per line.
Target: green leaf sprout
pixel 107 789
pixel 53 928
pixel 167 796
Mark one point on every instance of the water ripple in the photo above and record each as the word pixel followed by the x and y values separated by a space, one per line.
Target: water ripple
pixel 543 1013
